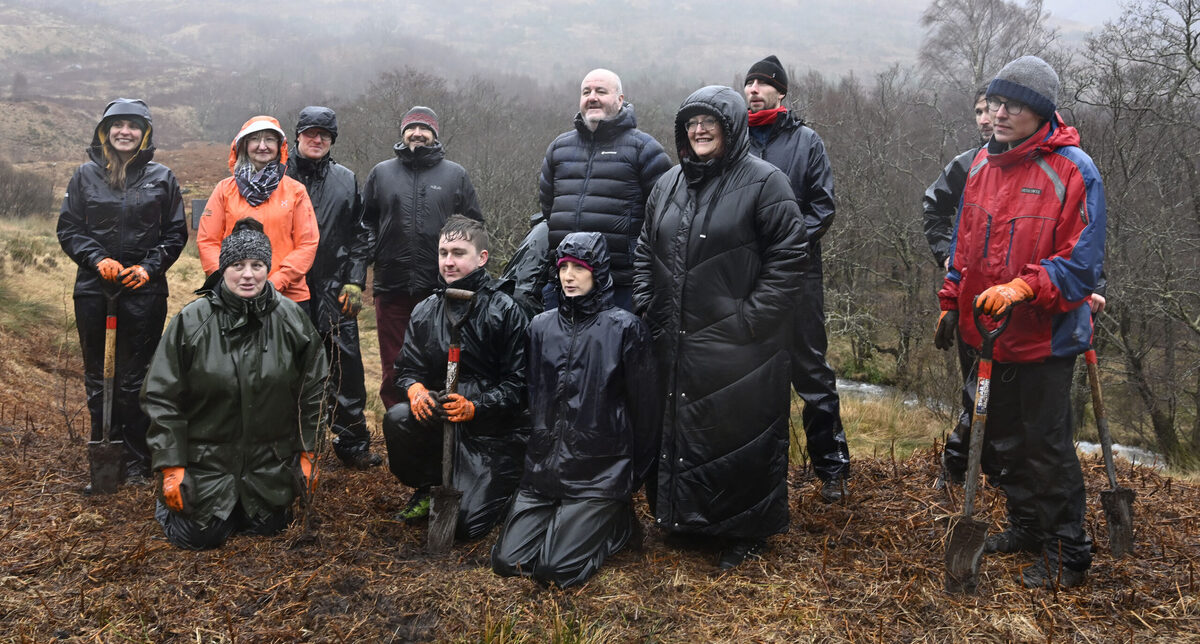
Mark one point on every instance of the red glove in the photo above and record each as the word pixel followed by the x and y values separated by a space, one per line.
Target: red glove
pixel 109 269
pixel 134 277
pixel 999 298
pixel 422 402
pixel 308 467
pixel 459 409
pixel 172 489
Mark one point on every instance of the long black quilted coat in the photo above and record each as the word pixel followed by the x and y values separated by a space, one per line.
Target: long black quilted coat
pixel 717 268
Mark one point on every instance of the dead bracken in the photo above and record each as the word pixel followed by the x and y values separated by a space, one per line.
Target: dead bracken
pixel 97 568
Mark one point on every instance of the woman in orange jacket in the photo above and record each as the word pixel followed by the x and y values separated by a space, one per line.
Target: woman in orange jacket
pixel 260 189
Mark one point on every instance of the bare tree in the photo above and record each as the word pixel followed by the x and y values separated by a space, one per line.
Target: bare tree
pixel 968 41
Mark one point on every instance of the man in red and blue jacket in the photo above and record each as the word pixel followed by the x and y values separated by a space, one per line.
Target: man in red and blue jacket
pixel 1031 229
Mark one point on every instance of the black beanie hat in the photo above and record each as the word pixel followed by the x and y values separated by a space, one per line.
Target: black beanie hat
pixel 247 241
pixel 770 71
pixel 423 115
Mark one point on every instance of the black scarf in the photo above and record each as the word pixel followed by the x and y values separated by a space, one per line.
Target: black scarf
pixel 256 187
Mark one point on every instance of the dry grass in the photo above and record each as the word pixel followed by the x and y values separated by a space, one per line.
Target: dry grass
pixel 97 569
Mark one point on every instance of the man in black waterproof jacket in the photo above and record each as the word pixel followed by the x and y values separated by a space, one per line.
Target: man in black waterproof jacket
pixel 488 409
pixel 596 178
pixel 781 138
pixel 337 277
pixel 406 201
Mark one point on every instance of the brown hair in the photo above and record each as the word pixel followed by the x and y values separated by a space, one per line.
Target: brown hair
pixel 113 164
pixel 460 227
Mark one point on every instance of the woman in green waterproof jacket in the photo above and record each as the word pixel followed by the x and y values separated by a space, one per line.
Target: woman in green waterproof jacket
pixel 234 394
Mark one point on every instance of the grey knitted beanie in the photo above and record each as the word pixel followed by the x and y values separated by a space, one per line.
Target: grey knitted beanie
pixel 1030 80
pixel 247 241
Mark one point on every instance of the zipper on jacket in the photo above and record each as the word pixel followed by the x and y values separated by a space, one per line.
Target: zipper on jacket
pixel 560 441
pixel 987 234
pixel 587 178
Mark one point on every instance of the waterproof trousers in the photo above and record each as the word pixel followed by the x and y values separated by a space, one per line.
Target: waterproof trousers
pixel 815 383
pixel 184 533
pixel 954 457
pixel 487 468
pixel 347 390
pixel 391 322
pixel 1030 434
pixel 560 541
pixel 140 321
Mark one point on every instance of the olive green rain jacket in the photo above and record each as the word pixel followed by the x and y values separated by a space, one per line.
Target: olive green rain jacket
pixel 233 393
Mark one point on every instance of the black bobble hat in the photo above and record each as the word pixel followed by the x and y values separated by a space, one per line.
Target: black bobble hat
pixel 247 241
pixel 770 71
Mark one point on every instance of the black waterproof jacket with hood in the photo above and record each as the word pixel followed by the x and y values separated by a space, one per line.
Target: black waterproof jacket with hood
pixel 406 201
pixel 718 268
pixel 599 181
pixel 528 267
pixel 593 394
pixel 142 223
pixel 345 242
pixel 492 352
pixel 796 149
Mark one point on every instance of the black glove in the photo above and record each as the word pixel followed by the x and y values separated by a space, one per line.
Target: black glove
pixel 440 399
pixel 947 326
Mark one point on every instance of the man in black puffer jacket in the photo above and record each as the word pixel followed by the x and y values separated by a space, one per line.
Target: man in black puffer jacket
pixel 717 271
pixel 337 277
pixel 596 178
pixel 781 138
pixel 406 201
pixel 490 425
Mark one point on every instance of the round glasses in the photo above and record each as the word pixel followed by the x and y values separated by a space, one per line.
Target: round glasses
pixel 1013 107
pixel 706 123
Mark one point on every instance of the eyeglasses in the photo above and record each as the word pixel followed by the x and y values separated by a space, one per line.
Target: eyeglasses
pixel 317 134
pixel 1014 108
pixel 255 139
pixel 706 123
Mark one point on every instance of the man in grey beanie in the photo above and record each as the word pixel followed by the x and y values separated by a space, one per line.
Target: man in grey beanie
pixel 1031 230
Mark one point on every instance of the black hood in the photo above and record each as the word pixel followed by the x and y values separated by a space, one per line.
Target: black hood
pixel 730 109
pixel 317 116
pixel 124 107
pixel 591 248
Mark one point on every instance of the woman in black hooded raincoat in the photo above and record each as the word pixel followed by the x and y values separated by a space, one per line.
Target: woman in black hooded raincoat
pixel 593 405
pixel 122 223
pixel 717 268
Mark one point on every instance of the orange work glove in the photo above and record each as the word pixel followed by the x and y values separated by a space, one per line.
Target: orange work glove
pixel 109 269
pixel 422 402
pixel 459 409
pixel 350 299
pixel 172 487
pixel 947 326
pixel 134 277
pixel 999 298
pixel 308 467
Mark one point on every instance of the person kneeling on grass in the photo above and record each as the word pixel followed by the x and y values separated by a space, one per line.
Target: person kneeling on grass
pixel 592 399
pixel 488 409
pixel 234 394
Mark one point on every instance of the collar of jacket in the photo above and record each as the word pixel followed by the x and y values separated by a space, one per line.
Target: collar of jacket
pixel 425 156
pixel 586 305
pixel 1003 155
pixel 608 129
pixel 475 281
pixel 307 170
pixel 235 311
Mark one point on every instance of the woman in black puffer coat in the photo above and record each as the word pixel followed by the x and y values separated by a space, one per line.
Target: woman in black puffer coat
pixel 122 223
pixel 593 403
pixel 717 268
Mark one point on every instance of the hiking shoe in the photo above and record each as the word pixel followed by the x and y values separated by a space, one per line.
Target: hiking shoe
pixel 833 490
pixel 740 550
pixel 1008 542
pixel 417 508
pixel 1038 576
pixel 363 460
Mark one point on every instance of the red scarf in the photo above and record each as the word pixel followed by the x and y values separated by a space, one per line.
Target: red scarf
pixel 766 117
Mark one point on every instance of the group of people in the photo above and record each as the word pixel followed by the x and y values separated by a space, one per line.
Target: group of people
pixel 648 333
